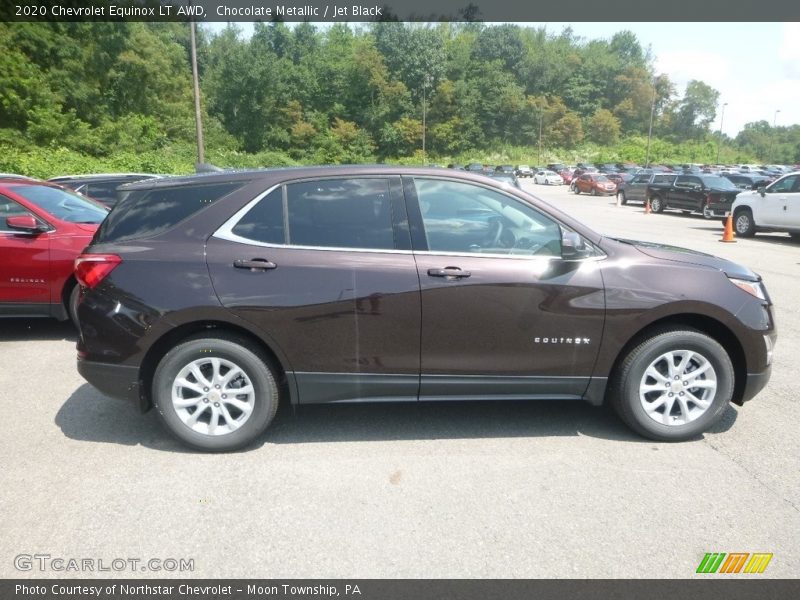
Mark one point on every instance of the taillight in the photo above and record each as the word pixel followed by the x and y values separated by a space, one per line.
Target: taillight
pixel 91 269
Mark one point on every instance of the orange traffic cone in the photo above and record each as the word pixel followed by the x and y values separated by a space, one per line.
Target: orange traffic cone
pixel 727 235
pixel 647 210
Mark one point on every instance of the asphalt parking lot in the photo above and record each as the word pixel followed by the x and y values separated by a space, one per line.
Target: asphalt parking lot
pixel 452 490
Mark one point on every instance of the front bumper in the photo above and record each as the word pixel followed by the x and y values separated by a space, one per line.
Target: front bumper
pixel 117 381
pixel 754 383
pixel 717 209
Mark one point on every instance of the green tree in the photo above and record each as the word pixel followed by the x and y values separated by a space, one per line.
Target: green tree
pixel 695 112
pixel 603 128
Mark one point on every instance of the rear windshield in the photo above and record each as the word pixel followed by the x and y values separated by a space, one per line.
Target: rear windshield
pixel 63 205
pixel 145 213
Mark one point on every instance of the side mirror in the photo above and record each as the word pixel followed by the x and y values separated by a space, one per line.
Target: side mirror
pixel 573 247
pixel 24 223
pixel 762 190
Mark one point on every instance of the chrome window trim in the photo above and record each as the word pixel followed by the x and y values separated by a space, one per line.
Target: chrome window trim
pixel 225 232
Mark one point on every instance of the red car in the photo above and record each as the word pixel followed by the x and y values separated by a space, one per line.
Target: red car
pixel 594 184
pixel 43 228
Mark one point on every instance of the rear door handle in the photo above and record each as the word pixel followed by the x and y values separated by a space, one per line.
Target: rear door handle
pixel 260 264
pixel 454 272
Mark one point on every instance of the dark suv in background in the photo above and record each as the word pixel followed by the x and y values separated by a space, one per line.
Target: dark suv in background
pixel 101 187
pixel 215 297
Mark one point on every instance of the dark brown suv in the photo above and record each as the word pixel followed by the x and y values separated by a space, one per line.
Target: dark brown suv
pixel 215 297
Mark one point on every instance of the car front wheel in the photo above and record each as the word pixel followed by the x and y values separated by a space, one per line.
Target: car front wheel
pixel 656 204
pixel 215 393
pixel 674 385
pixel 743 222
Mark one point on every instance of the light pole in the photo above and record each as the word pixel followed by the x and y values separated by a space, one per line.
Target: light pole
pixel 201 157
pixel 774 134
pixel 539 156
pixel 650 131
pixel 425 83
pixel 719 141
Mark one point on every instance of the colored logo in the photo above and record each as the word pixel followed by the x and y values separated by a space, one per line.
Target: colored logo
pixel 735 562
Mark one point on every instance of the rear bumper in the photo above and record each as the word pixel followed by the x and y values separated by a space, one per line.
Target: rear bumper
pixel 117 381
pixel 754 383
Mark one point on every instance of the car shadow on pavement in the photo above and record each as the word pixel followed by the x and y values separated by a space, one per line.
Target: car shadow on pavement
pixel 14 330
pixel 89 416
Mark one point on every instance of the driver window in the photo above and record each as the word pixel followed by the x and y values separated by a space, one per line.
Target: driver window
pixel 783 186
pixel 470 219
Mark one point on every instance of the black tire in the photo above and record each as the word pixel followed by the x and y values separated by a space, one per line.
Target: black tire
pixel 72 303
pixel 624 392
pixel 622 198
pixel 656 204
pixel 594 191
pixel 743 223
pixel 253 363
pixel 576 190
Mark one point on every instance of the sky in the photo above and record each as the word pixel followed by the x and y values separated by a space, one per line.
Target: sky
pixel 754 66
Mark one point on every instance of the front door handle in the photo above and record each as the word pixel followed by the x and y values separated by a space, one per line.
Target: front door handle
pixel 449 272
pixel 256 264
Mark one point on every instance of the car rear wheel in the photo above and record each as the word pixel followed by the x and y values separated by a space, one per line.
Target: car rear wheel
pixel 576 190
pixel 622 198
pixel 674 385
pixel 216 393
pixel 743 223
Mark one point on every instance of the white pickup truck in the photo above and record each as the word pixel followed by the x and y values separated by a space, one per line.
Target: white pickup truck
pixel 774 208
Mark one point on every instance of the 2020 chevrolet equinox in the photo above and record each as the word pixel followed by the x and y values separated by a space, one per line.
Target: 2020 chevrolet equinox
pixel 215 297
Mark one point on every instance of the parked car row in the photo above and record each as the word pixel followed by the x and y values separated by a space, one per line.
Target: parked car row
pixel 754 206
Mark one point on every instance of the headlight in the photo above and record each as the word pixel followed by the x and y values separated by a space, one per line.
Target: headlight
pixel 754 288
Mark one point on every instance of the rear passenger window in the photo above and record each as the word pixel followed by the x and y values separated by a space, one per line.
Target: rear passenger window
pixel 340 213
pixel 145 213
pixel 264 222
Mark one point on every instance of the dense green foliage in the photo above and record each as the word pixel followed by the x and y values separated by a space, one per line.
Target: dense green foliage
pixel 78 97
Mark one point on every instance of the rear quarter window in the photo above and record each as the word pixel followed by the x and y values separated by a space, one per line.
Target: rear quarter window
pixel 146 213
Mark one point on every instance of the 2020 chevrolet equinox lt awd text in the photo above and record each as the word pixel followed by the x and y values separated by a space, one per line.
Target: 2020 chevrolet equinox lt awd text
pixel 215 297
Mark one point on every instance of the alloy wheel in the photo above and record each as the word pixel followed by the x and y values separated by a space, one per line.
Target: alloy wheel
pixel 678 387
pixel 213 396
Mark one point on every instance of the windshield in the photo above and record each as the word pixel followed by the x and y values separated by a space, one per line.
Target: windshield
pixel 722 183
pixel 63 205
